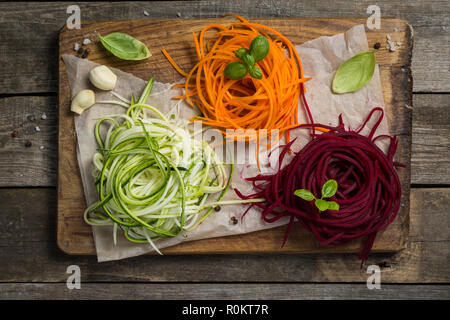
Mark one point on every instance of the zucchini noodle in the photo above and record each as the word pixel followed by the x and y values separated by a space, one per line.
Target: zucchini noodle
pixel 153 178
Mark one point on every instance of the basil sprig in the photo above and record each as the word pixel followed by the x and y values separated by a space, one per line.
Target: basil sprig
pixel 125 46
pixel 259 48
pixel 354 73
pixel 328 190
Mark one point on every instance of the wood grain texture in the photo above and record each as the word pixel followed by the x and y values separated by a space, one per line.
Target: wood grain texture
pixel 31 36
pixel 21 165
pixel 229 292
pixel 431 139
pixel 28 236
pixel 74 235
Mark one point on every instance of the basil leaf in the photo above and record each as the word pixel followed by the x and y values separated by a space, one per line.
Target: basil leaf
pixel 304 194
pixel 259 48
pixel 248 59
pixel 255 72
pixel 235 70
pixel 240 53
pixel 332 205
pixel 125 46
pixel 322 205
pixel 354 73
pixel 329 188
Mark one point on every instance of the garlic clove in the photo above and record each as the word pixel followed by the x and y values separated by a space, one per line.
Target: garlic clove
pixel 103 78
pixel 83 100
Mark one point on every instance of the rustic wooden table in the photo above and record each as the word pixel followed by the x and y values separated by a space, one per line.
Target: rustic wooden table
pixel 31 265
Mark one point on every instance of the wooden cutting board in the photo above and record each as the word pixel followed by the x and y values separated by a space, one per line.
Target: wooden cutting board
pixel 75 236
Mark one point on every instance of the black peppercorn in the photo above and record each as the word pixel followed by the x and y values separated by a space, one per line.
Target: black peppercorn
pixel 234 220
pixel 80 50
pixel 28 143
pixel 377 45
pixel 217 208
pixel 85 53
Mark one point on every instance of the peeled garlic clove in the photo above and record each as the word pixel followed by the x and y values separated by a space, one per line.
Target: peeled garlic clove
pixel 103 78
pixel 83 100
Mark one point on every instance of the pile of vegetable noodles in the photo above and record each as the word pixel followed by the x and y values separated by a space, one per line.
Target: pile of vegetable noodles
pixel 153 179
pixel 269 102
pixel 368 192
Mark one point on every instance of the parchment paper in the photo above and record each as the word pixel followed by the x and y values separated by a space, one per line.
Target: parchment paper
pixel 320 58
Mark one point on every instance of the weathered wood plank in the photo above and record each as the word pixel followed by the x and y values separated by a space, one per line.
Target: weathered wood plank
pixel 429 161
pixel 137 291
pixel 21 164
pixel 30 36
pixel 27 242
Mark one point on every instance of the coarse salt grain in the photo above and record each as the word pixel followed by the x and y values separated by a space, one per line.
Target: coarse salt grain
pixel 37 129
pixel 76 46
pixel 146 13
pixel 391 45
pixel 44 116
pixel 86 41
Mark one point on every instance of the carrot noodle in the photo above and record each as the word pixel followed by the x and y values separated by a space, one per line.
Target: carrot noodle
pixel 268 103
pixel 369 190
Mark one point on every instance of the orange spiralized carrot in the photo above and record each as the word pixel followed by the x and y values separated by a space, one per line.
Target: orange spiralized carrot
pixel 269 103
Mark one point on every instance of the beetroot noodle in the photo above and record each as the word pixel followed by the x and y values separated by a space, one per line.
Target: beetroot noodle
pixel 368 194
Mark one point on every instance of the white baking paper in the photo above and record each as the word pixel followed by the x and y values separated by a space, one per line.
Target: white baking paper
pixel 320 59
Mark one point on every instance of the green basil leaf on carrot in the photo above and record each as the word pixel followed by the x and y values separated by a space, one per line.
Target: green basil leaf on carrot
pixel 259 48
pixel 235 70
pixel 332 205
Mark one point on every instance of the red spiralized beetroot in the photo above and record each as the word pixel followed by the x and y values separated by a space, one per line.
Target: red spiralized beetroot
pixel 368 194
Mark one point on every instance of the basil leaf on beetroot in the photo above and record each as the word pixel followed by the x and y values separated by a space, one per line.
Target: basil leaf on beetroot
pixel 329 188
pixel 354 73
pixel 322 205
pixel 332 205
pixel 304 194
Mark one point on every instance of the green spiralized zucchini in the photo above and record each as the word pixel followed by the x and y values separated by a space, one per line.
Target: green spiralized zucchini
pixel 153 178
